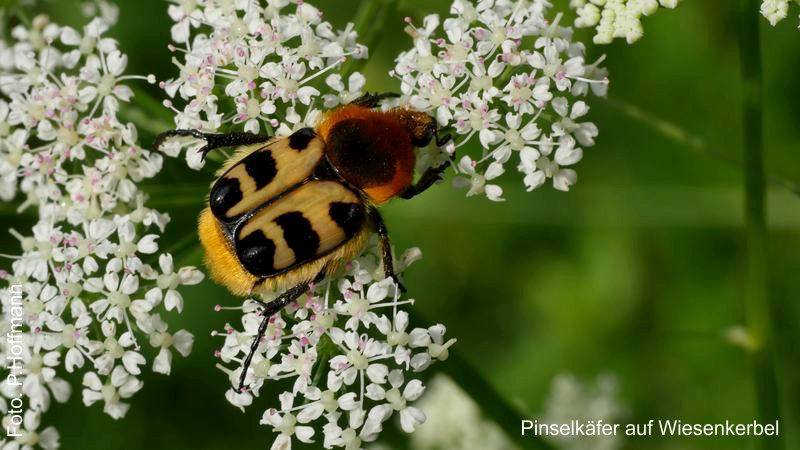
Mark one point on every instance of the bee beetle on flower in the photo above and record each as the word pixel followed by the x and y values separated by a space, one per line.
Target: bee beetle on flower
pixel 286 212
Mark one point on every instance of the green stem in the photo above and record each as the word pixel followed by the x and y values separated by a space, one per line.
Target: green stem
pixel 490 401
pixel 492 404
pixel 681 136
pixel 757 299
pixel 369 20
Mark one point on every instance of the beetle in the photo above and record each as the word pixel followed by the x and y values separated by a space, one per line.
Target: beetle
pixel 286 212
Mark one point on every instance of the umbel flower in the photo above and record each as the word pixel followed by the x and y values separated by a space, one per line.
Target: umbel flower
pixel 345 351
pixel 571 398
pixel 256 66
pixel 776 10
pixel 509 80
pixel 616 18
pixel 87 290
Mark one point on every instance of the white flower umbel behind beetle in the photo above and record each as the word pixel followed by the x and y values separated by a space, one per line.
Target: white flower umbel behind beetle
pixel 93 280
pixel 571 398
pixel 256 65
pixel 776 10
pixel 507 78
pixel 616 18
pixel 344 353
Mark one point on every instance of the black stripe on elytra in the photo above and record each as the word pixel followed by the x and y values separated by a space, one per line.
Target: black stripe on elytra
pixel 261 167
pixel 349 216
pixel 299 139
pixel 224 195
pixel 299 235
pixel 256 253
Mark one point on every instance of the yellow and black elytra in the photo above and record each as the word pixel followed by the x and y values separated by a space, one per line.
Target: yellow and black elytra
pixel 285 212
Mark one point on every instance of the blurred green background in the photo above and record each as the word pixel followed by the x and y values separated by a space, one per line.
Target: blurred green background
pixel 638 271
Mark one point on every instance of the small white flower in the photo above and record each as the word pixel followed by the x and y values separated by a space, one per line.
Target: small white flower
pixel 344 94
pixel 360 332
pixel 118 386
pixel 493 57
pixel 618 18
pixel 288 424
pixel 65 155
pixel 264 57
pixel 477 182
pixel 397 400
pixel 28 435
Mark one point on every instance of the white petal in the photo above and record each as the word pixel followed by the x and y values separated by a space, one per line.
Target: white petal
pixel 378 291
pixel 347 401
pixel 304 434
pixel 194 159
pixel 413 390
pixel 116 62
pixel 190 275
pixel 163 362
pixel 494 170
pixel 61 390
pixel 73 359
pixel 147 244
pixel 335 82
pixel 92 381
pixel 568 155
pixel 494 193
pixel 560 105
pixel 182 342
pixel 165 263
pixel 282 442
pixel 564 178
pixel 130 284
pixel 173 300
pixel 579 109
pixel 487 137
pixel 377 373
pixel 410 418
pixel 356 82
pixel 534 179
pixel 132 360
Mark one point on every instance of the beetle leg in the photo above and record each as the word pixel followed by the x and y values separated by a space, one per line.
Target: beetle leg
pixel 213 140
pixel 442 140
pixel 386 248
pixel 432 174
pixel 270 309
pixel 368 100
pixel 259 302
pixel 428 178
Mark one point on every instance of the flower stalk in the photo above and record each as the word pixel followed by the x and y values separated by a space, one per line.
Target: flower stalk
pixel 686 138
pixel 480 390
pixel 369 23
pixel 494 405
pixel 758 306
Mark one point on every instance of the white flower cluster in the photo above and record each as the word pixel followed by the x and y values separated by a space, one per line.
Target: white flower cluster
pixel 776 10
pixel 616 18
pixel 345 348
pixel 347 354
pixel 260 62
pixel 456 421
pixel 87 291
pixel 573 399
pixel 505 73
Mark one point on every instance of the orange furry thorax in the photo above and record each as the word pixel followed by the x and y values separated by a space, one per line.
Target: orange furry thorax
pixel 363 143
